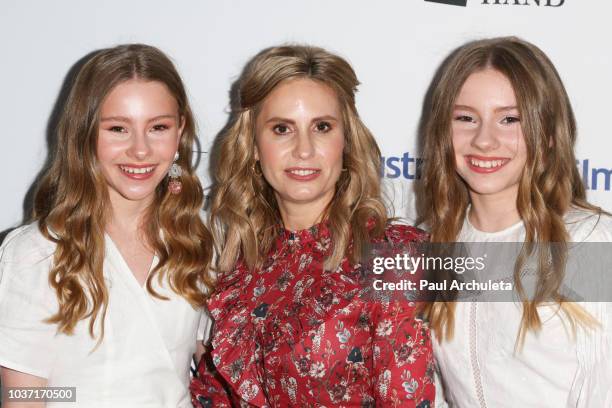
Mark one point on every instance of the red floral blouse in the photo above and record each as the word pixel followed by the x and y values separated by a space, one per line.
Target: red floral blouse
pixel 292 333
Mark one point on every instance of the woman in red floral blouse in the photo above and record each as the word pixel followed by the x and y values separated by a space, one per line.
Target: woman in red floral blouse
pixel 296 205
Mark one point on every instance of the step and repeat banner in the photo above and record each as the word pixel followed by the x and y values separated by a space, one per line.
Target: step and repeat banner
pixel 394 46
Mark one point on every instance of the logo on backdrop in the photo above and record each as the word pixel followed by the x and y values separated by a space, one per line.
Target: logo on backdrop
pixel 545 3
pixel 404 166
pixel 598 179
pixel 463 3
pixel 408 167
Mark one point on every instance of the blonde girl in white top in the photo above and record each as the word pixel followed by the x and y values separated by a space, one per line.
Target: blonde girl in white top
pixel 499 167
pixel 104 290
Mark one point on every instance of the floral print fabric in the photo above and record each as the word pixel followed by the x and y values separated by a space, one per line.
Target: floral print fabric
pixel 292 333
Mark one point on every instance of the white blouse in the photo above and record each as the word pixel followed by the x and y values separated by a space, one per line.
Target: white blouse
pixel 148 344
pixel 480 368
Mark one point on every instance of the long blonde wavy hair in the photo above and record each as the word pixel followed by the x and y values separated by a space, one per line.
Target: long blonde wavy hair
pixel 244 215
pixel 549 185
pixel 72 205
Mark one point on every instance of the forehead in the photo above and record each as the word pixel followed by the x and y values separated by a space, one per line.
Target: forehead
pixel 137 94
pixel 301 97
pixel 487 87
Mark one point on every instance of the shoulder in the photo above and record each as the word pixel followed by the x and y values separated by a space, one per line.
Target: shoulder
pixel 588 226
pixel 26 245
pixel 232 278
pixel 26 257
pixel 398 231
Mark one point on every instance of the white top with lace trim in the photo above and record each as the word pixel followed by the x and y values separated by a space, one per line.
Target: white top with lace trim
pixel 479 366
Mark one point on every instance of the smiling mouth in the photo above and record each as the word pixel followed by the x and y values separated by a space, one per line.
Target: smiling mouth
pixel 137 170
pixel 303 172
pixel 490 164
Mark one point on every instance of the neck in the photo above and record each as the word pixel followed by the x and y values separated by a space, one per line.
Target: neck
pixel 299 216
pixel 126 216
pixel 493 213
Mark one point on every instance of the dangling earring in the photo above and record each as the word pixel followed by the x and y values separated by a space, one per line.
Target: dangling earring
pixel 175 185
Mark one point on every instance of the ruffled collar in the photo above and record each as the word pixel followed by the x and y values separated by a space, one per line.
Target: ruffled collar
pixel 316 233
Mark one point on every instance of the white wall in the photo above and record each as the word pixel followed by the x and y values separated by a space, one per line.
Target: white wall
pixel 394 46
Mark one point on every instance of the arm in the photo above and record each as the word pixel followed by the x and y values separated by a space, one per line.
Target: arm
pixel 207 388
pixel 440 400
pixel 200 350
pixel 203 335
pixel 403 358
pixel 29 346
pixel 11 378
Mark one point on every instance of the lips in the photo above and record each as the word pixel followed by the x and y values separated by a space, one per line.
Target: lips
pixel 137 172
pixel 303 173
pixel 481 164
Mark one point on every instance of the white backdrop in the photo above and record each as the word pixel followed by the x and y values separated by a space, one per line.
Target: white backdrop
pixel 394 46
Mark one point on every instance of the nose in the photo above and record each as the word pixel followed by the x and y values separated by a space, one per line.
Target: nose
pixel 486 137
pixel 304 145
pixel 140 147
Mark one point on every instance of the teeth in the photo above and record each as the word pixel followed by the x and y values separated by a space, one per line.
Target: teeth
pixel 303 172
pixel 134 170
pixel 487 164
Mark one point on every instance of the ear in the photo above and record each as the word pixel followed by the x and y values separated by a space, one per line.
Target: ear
pixel 255 151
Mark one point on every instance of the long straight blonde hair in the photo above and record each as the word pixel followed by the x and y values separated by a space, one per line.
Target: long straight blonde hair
pixel 549 185
pixel 244 215
pixel 71 203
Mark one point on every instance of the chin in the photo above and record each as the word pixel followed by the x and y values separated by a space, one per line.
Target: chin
pixel 302 199
pixel 136 194
pixel 488 190
pixel 139 197
pixel 302 194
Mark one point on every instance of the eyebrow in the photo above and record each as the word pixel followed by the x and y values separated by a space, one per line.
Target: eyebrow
pixel 499 109
pixel 126 119
pixel 292 122
pixel 506 108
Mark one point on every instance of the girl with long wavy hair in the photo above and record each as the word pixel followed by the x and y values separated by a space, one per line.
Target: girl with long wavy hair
pixel 296 203
pixel 499 167
pixel 104 291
